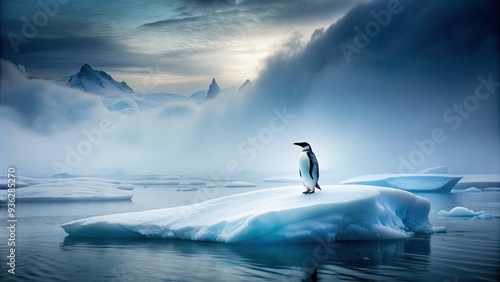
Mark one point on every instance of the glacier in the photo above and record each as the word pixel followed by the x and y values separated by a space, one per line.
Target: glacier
pixel 436 183
pixel 284 214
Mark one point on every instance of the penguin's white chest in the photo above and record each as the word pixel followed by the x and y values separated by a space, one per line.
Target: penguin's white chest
pixel 304 167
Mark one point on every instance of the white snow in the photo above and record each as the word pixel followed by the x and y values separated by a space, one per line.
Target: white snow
pixel 463 212
pixel 239 184
pixel 154 182
pixel 435 170
pixel 339 212
pixel 410 182
pixel 66 192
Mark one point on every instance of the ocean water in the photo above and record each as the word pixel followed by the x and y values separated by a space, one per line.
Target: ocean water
pixel 468 251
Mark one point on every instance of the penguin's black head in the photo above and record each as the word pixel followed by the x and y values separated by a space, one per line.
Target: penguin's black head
pixel 302 144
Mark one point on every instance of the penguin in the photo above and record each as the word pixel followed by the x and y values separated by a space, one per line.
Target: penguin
pixel 308 168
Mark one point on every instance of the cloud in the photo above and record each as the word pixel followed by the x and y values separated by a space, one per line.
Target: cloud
pixel 361 116
pixel 42 105
pixel 231 35
pixel 374 108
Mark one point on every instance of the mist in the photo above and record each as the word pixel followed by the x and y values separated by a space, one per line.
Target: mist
pixel 421 90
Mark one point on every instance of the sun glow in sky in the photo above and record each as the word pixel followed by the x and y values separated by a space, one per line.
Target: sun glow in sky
pixel 185 42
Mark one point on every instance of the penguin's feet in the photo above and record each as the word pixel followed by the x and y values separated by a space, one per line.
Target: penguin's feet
pixel 307 192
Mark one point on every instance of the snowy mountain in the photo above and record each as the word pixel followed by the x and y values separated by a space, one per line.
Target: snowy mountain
pixel 94 81
pixel 117 96
pixel 200 96
pixel 245 85
pixel 213 90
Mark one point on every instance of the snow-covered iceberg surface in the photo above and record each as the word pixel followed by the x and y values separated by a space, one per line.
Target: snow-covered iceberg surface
pixel 338 212
pixel 463 212
pixel 441 183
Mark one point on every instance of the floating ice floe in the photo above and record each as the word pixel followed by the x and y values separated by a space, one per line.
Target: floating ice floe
pixel 166 181
pixel 338 212
pixel 154 182
pixel 187 189
pixel 84 180
pixel 239 184
pixel 83 183
pixel 468 190
pixel 4 183
pixel 463 212
pixel 65 192
pixel 435 183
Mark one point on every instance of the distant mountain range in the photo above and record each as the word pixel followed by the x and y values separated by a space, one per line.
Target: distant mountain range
pixel 120 97
pixel 94 81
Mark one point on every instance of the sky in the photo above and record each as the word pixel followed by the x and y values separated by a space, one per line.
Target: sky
pixel 182 43
pixel 374 87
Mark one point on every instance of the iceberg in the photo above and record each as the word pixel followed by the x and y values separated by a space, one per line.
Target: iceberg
pixel 468 190
pixel 4 182
pixel 56 192
pixel 82 182
pixel 339 212
pixel 463 212
pixel 239 184
pixel 435 183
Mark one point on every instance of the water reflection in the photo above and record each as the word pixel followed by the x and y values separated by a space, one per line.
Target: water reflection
pixel 242 261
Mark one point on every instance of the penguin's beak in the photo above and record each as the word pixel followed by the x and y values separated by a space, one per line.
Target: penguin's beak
pixel 296 143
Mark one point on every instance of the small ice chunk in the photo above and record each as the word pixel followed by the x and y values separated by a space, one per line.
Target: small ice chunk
pixel 463 212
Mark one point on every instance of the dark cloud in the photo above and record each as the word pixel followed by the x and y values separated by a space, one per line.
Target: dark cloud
pixel 396 88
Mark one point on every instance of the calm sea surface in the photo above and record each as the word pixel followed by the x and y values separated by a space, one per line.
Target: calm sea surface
pixel 469 251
